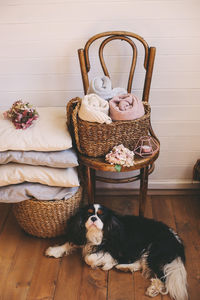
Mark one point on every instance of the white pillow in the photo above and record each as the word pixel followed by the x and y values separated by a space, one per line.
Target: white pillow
pixel 48 133
pixel 13 173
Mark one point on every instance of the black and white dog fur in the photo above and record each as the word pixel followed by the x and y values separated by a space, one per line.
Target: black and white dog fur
pixel 128 243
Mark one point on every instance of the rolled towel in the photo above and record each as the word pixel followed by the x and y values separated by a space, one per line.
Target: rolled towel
pixel 94 109
pixel 102 86
pixel 126 107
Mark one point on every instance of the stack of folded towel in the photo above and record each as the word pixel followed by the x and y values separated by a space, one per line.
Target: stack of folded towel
pixel 38 162
pixel 103 104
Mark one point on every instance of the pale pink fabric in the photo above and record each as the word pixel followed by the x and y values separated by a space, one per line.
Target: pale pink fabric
pixel 126 107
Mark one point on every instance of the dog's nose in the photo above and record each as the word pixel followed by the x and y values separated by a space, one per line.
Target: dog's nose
pixel 93 219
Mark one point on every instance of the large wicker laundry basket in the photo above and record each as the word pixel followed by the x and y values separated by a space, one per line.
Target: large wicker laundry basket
pixel 96 140
pixel 46 218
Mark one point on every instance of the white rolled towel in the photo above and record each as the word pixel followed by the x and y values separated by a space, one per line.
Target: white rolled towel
pixel 94 109
pixel 102 86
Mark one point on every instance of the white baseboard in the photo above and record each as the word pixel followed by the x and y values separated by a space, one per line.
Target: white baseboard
pixel 154 185
pixel 174 184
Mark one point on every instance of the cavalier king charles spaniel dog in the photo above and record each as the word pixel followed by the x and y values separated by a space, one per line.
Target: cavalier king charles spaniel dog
pixel 128 243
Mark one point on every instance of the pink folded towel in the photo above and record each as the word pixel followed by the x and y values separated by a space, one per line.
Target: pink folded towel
pixel 126 107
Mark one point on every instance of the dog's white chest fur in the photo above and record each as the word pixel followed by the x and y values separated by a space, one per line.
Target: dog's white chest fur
pixel 94 235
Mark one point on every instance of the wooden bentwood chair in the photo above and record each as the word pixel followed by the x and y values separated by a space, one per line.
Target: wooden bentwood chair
pixel 145 165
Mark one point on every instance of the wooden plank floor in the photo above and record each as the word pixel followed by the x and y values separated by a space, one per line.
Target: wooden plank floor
pixel 25 273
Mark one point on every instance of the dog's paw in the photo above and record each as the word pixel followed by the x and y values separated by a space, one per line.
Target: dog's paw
pixel 129 267
pixel 55 251
pixel 107 267
pixel 155 288
pixel 122 267
pixel 152 291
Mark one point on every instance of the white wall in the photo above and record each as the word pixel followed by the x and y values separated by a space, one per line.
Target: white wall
pixel 39 63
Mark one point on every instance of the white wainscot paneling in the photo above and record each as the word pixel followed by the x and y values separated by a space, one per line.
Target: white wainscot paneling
pixel 53 82
pixel 184 144
pixel 176 172
pixel 85 29
pixel 57 12
pixel 184 45
pixel 40 49
pixel 31 2
pixel 176 112
pixel 176 128
pixel 176 157
pixel 116 64
pixel 32 66
pixel 39 63
pixel 176 88
pixel 163 63
pixel 162 80
pixel 174 97
pixel 68 47
pixel 39 98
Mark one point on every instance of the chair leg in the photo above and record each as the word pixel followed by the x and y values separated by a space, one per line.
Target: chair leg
pixel 143 190
pixel 91 184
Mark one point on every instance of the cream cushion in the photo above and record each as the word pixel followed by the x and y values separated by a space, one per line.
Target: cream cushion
pixel 27 190
pixel 48 133
pixel 55 159
pixel 13 173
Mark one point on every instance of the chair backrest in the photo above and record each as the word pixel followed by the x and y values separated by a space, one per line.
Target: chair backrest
pixel 128 37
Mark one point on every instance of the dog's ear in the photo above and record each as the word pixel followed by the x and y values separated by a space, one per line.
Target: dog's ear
pixel 112 224
pixel 76 231
pixel 113 228
pixel 113 236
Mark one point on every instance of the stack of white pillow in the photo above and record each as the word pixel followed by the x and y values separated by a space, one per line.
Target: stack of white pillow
pixel 38 162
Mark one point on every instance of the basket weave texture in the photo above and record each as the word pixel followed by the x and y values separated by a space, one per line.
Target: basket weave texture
pixel 96 140
pixel 46 218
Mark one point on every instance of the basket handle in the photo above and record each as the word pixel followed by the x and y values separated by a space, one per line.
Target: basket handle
pixel 70 107
pixel 72 111
pixel 151 131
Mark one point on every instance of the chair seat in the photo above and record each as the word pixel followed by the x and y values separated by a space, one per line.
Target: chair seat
pixel 100 164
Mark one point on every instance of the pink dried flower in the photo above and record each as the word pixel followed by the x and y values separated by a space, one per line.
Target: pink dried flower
pixel 21 114
pixel 120 155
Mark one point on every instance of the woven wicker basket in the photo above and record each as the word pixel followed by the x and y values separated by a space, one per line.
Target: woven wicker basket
pixel 46 218
pixel 95 139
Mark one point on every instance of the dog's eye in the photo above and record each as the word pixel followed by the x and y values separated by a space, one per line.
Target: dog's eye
pixel 90 210
pixel 100 212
